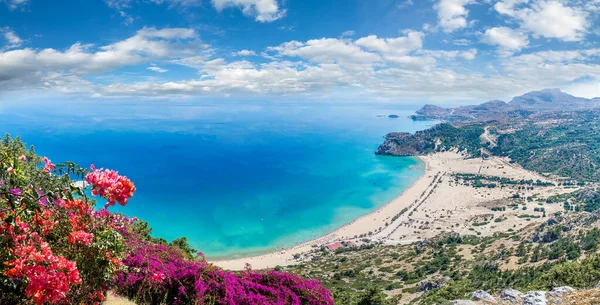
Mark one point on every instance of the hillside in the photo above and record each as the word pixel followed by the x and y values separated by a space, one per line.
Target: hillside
pixel 562 143
pixel 561 251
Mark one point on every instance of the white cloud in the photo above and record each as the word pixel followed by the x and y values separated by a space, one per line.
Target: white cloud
pixel 262 10
pixel 396 46
pixel 12 40
pixel 244 53
pixel 320 76
pixel 588 88
pixel 452 14
pixel 547 18
pixel 15 4
pixel 461 42
pixel 467 55
pixel 327 51
pixel 31 67
pixel 368 67
pixel 507 39
pixel 157 69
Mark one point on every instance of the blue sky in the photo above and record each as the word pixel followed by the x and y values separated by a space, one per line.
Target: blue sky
pixel 402 51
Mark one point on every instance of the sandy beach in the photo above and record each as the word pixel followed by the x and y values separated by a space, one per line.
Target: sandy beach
pixel 435 203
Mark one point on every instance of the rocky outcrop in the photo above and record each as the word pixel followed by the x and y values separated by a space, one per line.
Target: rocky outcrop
pixel 556 295
pixel 481 295
pixel 433 283
pixel 535 298
pixel 404 144
pixel 443 136
pixel 463 302
pixel 429 112
pixel 511 295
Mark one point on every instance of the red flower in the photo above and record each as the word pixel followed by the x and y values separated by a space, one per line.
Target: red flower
pixel 108 184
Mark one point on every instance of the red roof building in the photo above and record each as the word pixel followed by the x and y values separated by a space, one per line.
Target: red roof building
pixel 335 246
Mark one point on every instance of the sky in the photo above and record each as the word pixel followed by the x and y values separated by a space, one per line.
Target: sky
pixel 398 51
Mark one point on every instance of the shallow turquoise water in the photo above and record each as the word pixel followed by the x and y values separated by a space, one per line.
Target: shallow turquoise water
pixel 235 178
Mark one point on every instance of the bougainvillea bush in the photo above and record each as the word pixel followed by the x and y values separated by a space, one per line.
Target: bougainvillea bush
pixel 157 274
pixel 57 247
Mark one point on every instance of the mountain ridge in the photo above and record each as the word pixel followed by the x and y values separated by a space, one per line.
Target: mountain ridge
pixel 546 100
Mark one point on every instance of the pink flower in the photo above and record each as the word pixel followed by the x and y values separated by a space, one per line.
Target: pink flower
pixel 10 170
pixel 157 277
pixel 110 185
pixel 22 158
pixel 48 166
pixel 81 237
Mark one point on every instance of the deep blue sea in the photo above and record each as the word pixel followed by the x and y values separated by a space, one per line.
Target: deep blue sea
pixel 235 178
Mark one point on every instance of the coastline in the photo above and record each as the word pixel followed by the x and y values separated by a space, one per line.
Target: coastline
pixel 372 222
pixel 434 204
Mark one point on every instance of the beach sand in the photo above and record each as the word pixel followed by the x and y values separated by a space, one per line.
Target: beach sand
pixel 434 204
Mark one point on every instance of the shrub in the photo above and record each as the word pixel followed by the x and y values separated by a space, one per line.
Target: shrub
pixel 54 248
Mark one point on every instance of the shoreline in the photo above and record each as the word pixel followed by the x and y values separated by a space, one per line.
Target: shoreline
pixel 437 203
pixel 374 222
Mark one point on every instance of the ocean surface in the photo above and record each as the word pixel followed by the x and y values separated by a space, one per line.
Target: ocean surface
pixel 235 178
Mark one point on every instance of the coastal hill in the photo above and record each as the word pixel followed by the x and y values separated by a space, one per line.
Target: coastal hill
pixel 520 106
pixel 546 131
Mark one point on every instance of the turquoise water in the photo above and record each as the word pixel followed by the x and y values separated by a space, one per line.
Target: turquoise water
pixel 235 178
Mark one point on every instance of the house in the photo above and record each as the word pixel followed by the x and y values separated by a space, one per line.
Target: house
pixel 333 247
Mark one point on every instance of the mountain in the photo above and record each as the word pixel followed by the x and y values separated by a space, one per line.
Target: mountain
pixel 552 99
pixel 547 100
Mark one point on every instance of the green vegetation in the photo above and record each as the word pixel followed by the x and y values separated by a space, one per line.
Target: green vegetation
pixel 561 251
pixel 568 145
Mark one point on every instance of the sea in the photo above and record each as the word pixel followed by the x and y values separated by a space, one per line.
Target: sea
pixel 235 178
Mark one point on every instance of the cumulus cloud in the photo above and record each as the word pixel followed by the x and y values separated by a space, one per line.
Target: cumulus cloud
pixel 306 73
pixel 29 66
pixel 327 51
pixel 369 67
pixel 507 39
pixel 397 46
pixel 452 14
pixel 262 10
pixel 548 18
